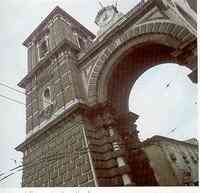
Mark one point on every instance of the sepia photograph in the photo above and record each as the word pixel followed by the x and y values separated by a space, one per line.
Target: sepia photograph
pixel 99 93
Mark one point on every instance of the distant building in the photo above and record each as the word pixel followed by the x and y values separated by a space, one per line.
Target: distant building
pixel 174 162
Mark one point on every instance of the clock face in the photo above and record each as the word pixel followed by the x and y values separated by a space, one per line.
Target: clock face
pixel 106 17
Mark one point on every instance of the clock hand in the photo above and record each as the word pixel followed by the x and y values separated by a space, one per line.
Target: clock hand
pixel 105 17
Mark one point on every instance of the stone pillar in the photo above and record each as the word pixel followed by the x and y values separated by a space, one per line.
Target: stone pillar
pixel 127 128
pixel 108 144
pixel 58 155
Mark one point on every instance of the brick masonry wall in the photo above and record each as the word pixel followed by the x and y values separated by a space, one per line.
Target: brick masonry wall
pixel 58 157
pixel 160 166
pixel 107 148
pixel 186 159
pixel 58 30
pixel 62 80
pixel 170 159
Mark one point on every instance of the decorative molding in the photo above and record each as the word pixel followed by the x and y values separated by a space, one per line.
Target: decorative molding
pixel 154 15
pixel 149 31
pixel 69 107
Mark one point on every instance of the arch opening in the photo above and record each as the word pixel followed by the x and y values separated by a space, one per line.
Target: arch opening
pixel 116 71
pixel 129 68
pixel 123 74
pixel 164 98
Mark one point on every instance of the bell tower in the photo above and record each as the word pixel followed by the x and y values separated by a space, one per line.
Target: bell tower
pixel 55 148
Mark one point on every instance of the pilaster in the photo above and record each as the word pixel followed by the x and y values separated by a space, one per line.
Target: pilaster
pixel 110 137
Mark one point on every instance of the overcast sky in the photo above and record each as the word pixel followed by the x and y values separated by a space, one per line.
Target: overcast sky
pixel 161 109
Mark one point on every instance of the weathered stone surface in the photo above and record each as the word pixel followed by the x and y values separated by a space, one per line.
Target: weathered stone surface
pixel 78 144
pixel 53 163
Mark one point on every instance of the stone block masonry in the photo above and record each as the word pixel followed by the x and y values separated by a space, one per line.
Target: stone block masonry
pixel 58 157
pixel 79 131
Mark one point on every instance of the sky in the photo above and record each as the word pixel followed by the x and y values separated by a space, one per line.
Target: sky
pixel 160 110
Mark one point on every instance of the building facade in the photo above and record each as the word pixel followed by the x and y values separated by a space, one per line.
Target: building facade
pixel 174 162
pixel 79 131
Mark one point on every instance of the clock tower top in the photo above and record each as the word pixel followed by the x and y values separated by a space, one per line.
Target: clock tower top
pixel 106 17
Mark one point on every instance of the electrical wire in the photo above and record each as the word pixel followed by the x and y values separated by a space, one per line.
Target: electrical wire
pixel 49 158
pixel 6 177
pixel 11 88
pixel 22 167
pixel 42 159
pixel 15 168
pixel 13 100
pixel 18 102
pixel 171 131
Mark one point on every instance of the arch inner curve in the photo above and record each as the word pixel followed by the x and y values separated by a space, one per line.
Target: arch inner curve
pixel 132 64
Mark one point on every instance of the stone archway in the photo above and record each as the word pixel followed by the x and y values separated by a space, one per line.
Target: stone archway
pixel 120 81
pixel 166 34
pixel 109 84
pixel 90 124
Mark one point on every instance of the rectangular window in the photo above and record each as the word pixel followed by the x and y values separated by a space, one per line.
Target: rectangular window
pixel 43 48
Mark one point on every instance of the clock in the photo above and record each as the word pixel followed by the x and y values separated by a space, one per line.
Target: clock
pixel 106 18
pixel 105 15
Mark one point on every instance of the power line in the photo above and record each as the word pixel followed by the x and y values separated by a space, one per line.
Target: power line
pixel 45 159
pixel 16 168
pixel 168 84
pixel 42 159
pixel 9 175
pixel 9 98
pixel 171 131
pixel 16 90
pixel 30 165
pixel 11 88
pixel 13 100
pixel 6 176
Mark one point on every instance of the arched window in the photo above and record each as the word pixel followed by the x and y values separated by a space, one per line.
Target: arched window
pixel 47 97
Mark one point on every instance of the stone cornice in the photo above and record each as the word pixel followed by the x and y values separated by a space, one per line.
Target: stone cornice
pixel 124 23
pixel 159 139
pixel 132 14
pixel 66 113
pixel 42 63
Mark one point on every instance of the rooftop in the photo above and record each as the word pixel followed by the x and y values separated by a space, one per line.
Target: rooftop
pixel 158 138
pixel 57 11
